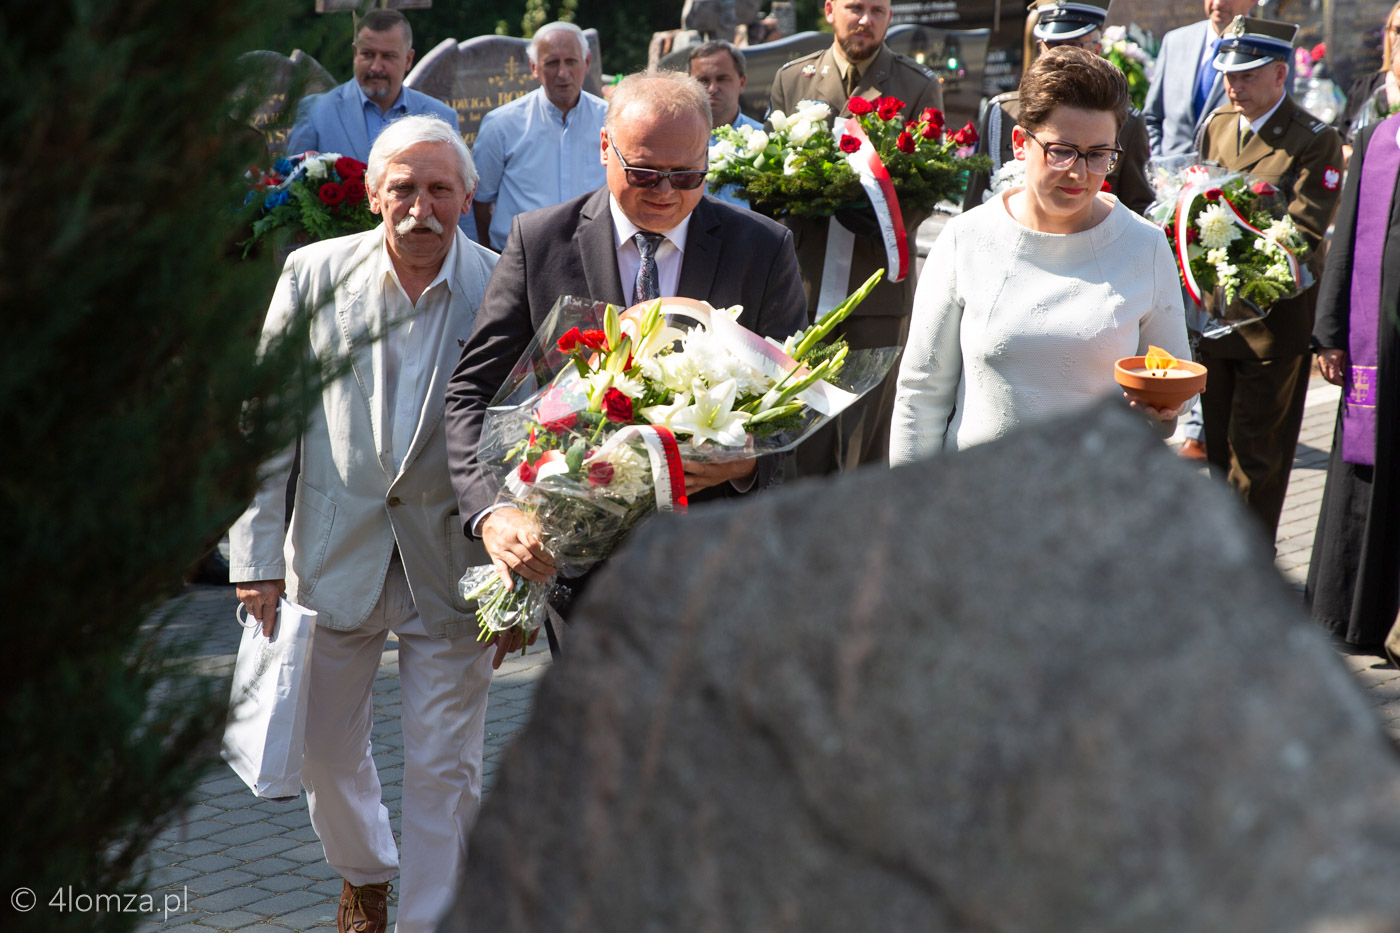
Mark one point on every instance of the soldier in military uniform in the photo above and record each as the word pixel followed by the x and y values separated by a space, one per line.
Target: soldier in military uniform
pixel 857 64
pixel 1064 22
pixel 1258 376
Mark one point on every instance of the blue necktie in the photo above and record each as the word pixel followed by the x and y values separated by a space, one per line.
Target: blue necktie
pixel 1205 80
pixel 648 284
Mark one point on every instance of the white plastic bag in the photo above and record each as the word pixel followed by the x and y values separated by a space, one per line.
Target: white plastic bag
pixel 266 731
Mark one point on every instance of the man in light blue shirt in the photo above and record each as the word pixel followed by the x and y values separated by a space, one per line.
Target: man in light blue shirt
pixel 348 118
pixel 719 65
pixel 541 149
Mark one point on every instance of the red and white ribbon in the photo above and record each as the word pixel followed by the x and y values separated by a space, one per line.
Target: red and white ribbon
pixel 1195 188
pixel 875 179
pixel 667 473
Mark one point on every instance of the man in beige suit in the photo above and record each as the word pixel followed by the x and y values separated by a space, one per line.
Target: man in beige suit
pixel 375 543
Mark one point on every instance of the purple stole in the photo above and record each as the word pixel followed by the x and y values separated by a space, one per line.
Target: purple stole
pixel 1378 174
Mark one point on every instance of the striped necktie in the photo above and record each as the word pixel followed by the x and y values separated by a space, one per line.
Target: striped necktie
pixel 648 285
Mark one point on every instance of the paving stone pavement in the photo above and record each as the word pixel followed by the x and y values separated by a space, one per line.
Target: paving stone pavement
pixel 238 863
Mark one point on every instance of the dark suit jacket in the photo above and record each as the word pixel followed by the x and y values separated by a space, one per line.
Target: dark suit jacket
pixel 732 256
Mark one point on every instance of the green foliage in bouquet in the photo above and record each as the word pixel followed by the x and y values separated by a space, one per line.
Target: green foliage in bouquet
pixel 800 167
pixel 128 365
pixel 309 197
pixel 1224 255
pixel 1131 59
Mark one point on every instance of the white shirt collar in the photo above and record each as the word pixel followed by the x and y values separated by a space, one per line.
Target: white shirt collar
pixel 444 275
pixel 626 229
pixel 1255 124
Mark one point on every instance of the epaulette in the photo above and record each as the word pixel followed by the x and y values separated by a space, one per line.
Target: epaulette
pixel 1313 124
pixel 817 54
pixel 910 63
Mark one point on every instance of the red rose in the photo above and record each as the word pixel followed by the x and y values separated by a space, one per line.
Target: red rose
pixel 600 473
pixel 1192 235
pixel 354 190
pixel 527 473
pixel 1263 188
pixel 1106 186
pixel 905 143
pixel 570 341
pixel 347 167
pixel 849 143
pixel 967 136
pixel 888 107
pixel 934 116
pixel 560 425
pixel 332 193
pixel 1319 52
pixel 859 106
pixel 1170 231
pixel 931 131
pixel 1213 194
pixel 594 339
pixel 617 407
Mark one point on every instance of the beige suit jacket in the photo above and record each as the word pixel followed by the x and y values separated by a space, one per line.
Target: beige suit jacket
pixel 352 506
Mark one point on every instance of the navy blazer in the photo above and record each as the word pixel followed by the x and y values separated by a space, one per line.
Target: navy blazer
pixel 335 121
pixel 732 256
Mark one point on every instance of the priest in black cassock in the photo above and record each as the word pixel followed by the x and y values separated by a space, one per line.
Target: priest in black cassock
pixel 1354 577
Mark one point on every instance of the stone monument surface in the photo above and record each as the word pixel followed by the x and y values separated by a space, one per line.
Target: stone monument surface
pixel 481 74
pixel 275 79
pixel 1049 683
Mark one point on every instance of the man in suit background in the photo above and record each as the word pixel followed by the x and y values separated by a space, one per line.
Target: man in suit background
pixel 375 541
pixel 1186 87
pixel 349 117
pixel 1057 23
pixel 720 67
pixel 651 232
pixel 1257 377
pixel 856 64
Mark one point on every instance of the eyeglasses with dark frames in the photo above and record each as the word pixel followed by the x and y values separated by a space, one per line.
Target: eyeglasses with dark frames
pixel 1062 156
pixel 684 180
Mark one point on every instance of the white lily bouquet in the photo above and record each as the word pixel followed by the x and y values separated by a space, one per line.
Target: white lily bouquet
pixel 589 432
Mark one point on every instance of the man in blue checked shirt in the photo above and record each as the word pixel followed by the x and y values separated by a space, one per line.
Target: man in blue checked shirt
pixel 541 149
pixel 719 66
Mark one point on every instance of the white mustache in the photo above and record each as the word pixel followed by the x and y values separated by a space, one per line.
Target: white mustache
pixel 410 223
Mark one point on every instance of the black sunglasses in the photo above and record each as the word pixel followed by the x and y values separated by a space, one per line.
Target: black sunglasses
pixel 687 180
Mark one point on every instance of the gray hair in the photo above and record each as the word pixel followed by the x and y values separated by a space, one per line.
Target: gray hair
pixel 547 29
pixel 668 94
pixel 716 46
pixel 407 132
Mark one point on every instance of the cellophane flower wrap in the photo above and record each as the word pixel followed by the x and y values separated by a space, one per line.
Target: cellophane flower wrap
pixel 1237 249
pixel 588 433
pixel 307 197
pixel 800 167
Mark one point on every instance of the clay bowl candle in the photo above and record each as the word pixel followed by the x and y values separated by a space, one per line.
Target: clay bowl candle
pixel 1160 388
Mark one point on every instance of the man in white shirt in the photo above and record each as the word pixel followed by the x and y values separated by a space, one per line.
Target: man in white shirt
pixel 719 66
pixel 375 544
pixel 540 149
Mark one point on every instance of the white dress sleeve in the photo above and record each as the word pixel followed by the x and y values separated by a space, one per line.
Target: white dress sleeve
pixel 931 367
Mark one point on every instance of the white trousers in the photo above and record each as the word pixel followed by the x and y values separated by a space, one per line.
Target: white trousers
pixel 444 683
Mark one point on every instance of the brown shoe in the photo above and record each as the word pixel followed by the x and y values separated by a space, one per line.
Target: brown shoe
pixel 1193 450
pixel 363 908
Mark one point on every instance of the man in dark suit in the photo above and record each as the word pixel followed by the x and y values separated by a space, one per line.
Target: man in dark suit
pixel 856 64
pixel 652 232
pixel 1258 376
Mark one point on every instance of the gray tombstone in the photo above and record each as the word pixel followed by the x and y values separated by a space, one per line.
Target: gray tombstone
pixel 481 74
pixel 718 18
pixel 275 82
pixel 1049 683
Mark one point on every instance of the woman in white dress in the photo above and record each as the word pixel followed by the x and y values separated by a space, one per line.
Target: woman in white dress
pixel 1025 302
